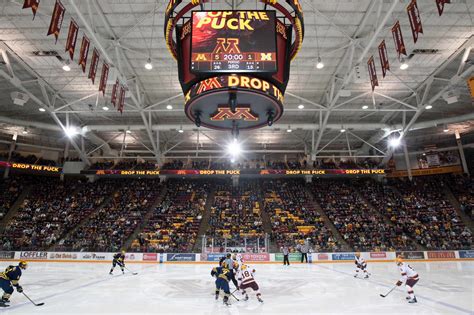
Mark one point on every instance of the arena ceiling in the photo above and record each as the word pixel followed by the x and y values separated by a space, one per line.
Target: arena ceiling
pixel 343 33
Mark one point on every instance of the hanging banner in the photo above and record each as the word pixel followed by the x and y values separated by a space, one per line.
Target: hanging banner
pixel 94 64
pixel 415 20
pixel 103 78
pixel 33 4
pixel 121 99
pixel 383 58
pixel 84 53
pixel 113 99
pixel 398 39
pixel 56 20
pixel 372 73
pixel 440 5
pixel 72 38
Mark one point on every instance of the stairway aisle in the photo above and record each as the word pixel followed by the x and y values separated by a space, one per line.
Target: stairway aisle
pixel 15 207
pixel 204 226
pixel 457 206
pixel 146 217
pixel 344 245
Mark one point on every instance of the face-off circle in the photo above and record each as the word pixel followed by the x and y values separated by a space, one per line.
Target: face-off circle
pixel 229 102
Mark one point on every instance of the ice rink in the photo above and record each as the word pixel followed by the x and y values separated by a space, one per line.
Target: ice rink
pixel 86 288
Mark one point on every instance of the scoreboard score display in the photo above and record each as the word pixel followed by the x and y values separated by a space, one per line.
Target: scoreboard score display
pixel 233 42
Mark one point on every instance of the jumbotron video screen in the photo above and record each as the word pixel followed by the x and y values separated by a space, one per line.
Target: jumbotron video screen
pixel 233 41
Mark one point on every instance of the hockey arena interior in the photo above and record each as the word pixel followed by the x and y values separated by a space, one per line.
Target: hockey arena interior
pixel 236 157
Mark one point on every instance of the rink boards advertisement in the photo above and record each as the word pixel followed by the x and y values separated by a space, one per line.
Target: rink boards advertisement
pixel 345 257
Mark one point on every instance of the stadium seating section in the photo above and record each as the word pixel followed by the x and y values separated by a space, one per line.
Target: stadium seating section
pixel 145 215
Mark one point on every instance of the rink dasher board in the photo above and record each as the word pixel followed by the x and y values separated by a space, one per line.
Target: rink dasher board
pixel 260 258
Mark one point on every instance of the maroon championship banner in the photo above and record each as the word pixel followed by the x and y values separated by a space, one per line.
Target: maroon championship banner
pixel 372 73
pixel 121 99
pixel 72 38
pixel 33 4
pixel 440 5
pixel 56 20
pixel 113 98
pixel 230 172
pixel 94 64
pixel 415 20
pixel 398 39
pixel 103 78
pixel 84 53
pixel 383 58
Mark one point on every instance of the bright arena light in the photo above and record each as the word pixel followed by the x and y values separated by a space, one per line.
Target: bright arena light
pixel 234 148
pixel 394 142
pixel 301 106
pixel 320 64
pixel 148 64
pixel 71 131
pixel 169 107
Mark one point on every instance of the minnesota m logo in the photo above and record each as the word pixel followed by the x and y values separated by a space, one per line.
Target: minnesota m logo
pixel 208 84
pixel 227 46
pixel 224 113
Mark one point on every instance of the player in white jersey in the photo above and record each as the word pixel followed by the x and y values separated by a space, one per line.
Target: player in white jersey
pixel 361 265
pixel 248 281
pixel 409 276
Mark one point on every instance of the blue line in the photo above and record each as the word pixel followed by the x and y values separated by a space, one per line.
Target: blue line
pixel 423 297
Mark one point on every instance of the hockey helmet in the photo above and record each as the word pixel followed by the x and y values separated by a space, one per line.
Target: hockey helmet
pixel 23 264
pixel 399 260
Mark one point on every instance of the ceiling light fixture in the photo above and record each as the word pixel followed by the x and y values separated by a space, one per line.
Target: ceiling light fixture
pixel 365 107
pixel 148 64
pixel 41 109
pixel 181 129
pixel 343 130
pixel 394 142
pixel 428 107
pixel 66 66
pixel 105 108
pixel 128 131
pixel 301 106
pixel 169 107
pixel 403 64
pixel 445 128
pixel 320 64
pixel 71 131
pixel 25 131
pixel 289 129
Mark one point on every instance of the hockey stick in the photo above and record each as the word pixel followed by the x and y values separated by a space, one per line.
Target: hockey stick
pixel 234 295
pixel 382 295
pixel 133 273
pixel 36 304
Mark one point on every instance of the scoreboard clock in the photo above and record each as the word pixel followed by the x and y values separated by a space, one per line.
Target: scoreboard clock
pixel 234 65
pixel 233 42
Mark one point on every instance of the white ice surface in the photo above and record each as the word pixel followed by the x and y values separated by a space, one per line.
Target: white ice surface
pixel 86 288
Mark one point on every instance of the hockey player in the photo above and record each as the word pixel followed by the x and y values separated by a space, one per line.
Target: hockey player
pixel 230 264
pixel 9 279
pixel 409 276
pixel 361 264
pixel 222 282
pixel 248 281
pixel 119 259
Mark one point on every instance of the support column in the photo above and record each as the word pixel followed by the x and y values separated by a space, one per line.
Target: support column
pixel 407 161
pixel 461 152
pixel 10 152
